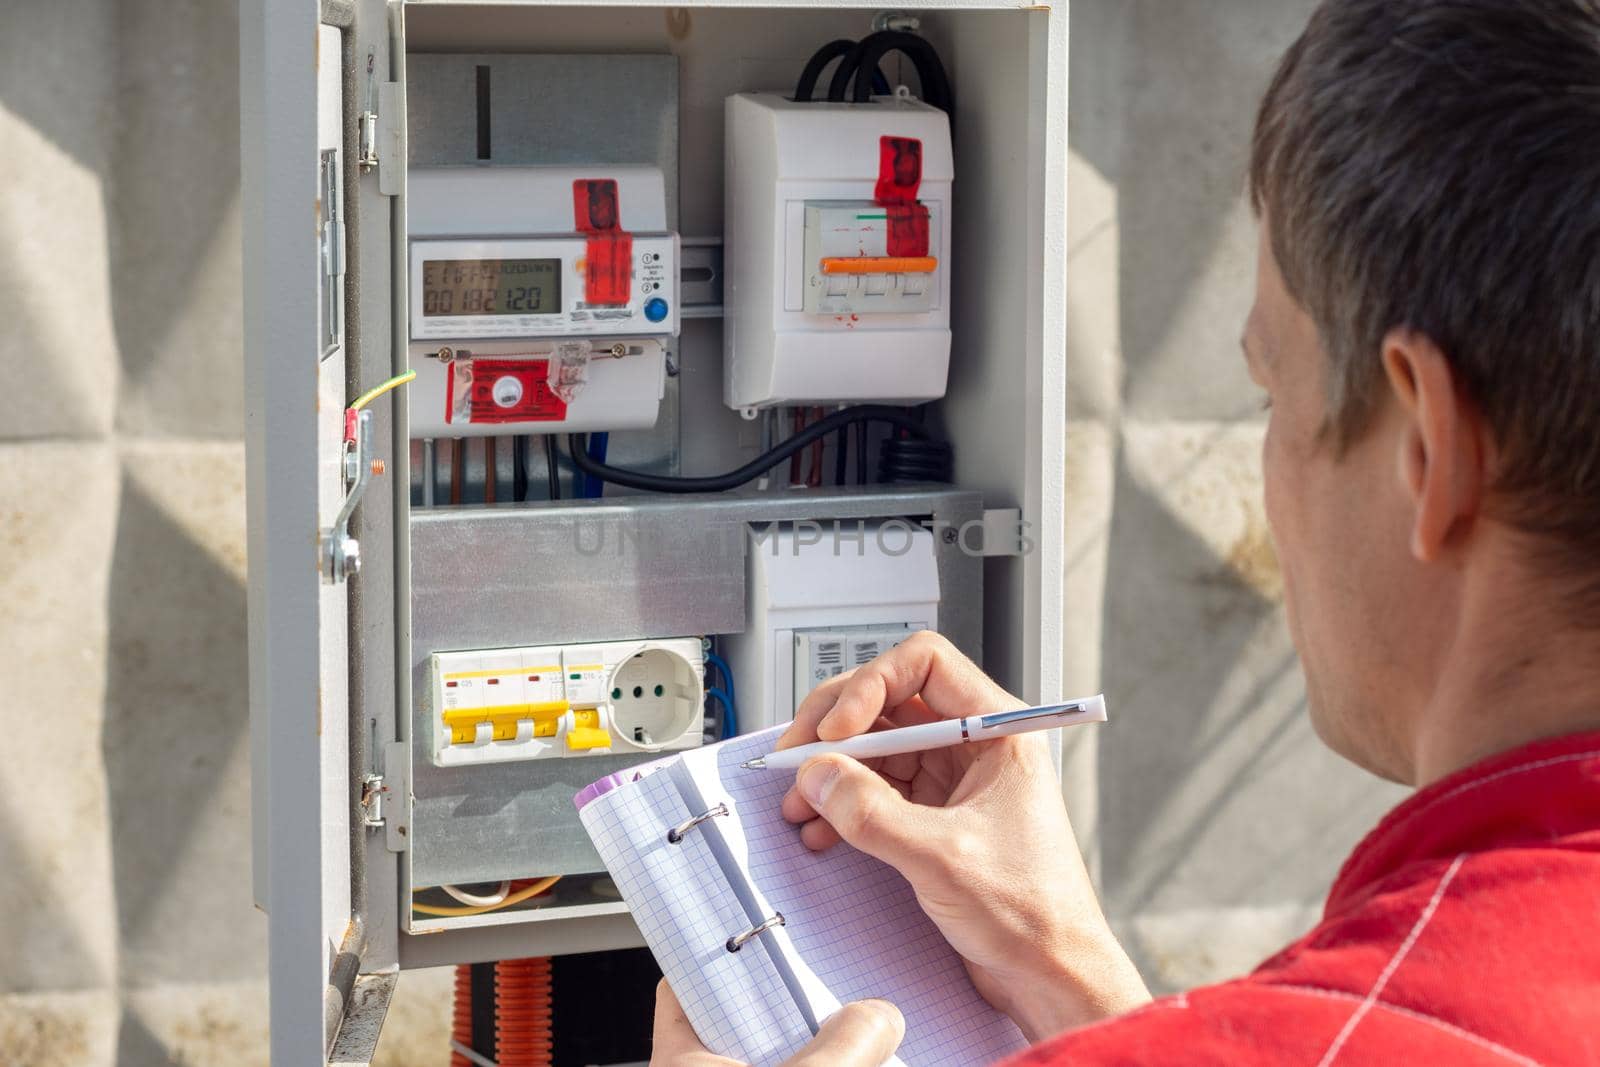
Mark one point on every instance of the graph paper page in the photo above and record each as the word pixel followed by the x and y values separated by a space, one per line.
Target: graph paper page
pixel 680 899
pixel 853 928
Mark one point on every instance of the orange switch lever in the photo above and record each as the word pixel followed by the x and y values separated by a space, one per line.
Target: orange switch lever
pixel 879 264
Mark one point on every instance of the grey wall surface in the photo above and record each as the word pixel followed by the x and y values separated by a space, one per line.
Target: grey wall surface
pixel 1216 818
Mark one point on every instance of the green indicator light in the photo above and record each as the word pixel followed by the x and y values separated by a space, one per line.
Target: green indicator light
pixel 576 677
pixel 872 216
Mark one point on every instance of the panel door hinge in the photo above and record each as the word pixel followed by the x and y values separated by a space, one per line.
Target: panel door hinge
pixel 378 141
pixel 374 795
pixel 386 800
pixel 367 144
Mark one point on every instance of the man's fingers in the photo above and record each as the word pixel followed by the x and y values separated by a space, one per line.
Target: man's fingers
pixel 803 730
pixel 863 1034
pixel 865 810
pixel 924 665
pixel 818 836
pixel 674 1042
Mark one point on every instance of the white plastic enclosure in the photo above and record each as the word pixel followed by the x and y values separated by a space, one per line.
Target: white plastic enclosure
pixel 800 184
pixel 874 577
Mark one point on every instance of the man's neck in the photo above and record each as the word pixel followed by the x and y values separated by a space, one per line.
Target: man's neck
pixel 1517 671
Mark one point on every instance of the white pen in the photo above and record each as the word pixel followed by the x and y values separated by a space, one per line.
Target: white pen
pixel 938 734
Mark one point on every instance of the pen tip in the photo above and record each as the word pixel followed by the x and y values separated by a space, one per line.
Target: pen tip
pixel 753 764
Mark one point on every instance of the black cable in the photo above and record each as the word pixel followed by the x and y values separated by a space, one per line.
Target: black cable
pixel 552 470
pixel 721 483
pixel 815 66
pixel 930 70
pixel 819 62
pixel 841 449
pixel 866 54
pixel 904 459
pixel 861 453
pixel 519 468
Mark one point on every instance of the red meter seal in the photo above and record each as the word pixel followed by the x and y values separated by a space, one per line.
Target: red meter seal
pixel 899 179
pixel 485 391
pixel 608 255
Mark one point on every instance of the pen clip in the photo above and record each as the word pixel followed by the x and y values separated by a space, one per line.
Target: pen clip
pixel 1000 718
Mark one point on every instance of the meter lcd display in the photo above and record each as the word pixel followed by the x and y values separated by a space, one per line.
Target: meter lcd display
pixel 491 287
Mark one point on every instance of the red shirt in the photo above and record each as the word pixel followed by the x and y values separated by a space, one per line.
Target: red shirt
pixel 1465 929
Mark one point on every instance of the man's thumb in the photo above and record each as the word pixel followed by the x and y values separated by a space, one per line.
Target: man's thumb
pixel 865 810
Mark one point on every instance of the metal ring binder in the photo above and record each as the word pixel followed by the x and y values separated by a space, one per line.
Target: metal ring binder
pixel 736 942
pixel 675 834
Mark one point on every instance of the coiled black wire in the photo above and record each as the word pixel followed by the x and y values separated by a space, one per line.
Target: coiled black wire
pixel 721 483
pixel 911 459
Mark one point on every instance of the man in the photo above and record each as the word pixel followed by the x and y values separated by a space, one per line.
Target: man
pixel 1427 331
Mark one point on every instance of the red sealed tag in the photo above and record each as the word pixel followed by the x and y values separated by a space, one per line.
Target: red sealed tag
pixel 608 268
pixel 594 205
pixel 899 170
pixel 503 390
pixel 908 229
pixel 608 256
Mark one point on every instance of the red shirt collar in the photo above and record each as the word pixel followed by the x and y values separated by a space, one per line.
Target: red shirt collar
pixel 1535 796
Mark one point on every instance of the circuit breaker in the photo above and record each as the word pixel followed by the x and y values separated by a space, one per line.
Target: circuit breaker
pixel 821 654
pixel 838 250
pixel 566 700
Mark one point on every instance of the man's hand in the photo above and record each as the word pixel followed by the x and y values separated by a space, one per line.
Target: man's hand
pixel 863 1034
pixel 979 830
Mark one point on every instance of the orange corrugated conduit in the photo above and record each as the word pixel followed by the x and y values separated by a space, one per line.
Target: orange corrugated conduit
pixel 461 1016
pixel 523 1013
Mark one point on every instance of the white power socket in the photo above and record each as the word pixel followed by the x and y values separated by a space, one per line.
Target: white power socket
pixel 554 701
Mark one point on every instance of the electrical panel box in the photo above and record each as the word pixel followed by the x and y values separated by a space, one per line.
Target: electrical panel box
pixel 626 268
pixel 838 251
pixel 573 700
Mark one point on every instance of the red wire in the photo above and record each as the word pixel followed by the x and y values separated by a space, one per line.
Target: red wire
pixel 816 454
pixel 799 423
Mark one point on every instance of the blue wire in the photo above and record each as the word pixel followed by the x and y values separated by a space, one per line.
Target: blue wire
pixel 730 718
pixel 598 442
pixel 727 674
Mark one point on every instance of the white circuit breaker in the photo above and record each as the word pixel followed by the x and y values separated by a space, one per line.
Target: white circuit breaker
pixel 819 599
pixel 837 251
pixel 567 700
pixel 825 653
pixel 541 298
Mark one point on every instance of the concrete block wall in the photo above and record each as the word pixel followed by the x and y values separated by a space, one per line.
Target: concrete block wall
pixel 1216 818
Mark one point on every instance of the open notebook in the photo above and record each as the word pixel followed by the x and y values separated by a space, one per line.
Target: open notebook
pixel 851 926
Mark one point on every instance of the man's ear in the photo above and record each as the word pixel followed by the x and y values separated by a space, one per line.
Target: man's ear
pixel 1444 442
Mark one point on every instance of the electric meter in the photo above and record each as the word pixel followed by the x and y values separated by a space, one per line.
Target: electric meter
pixel 542 299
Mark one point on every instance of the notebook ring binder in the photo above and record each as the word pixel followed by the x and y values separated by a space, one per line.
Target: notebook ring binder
pixel 675 835
pixel 736 942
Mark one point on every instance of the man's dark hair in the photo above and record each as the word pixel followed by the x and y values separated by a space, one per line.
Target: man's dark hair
pixel 1435 165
